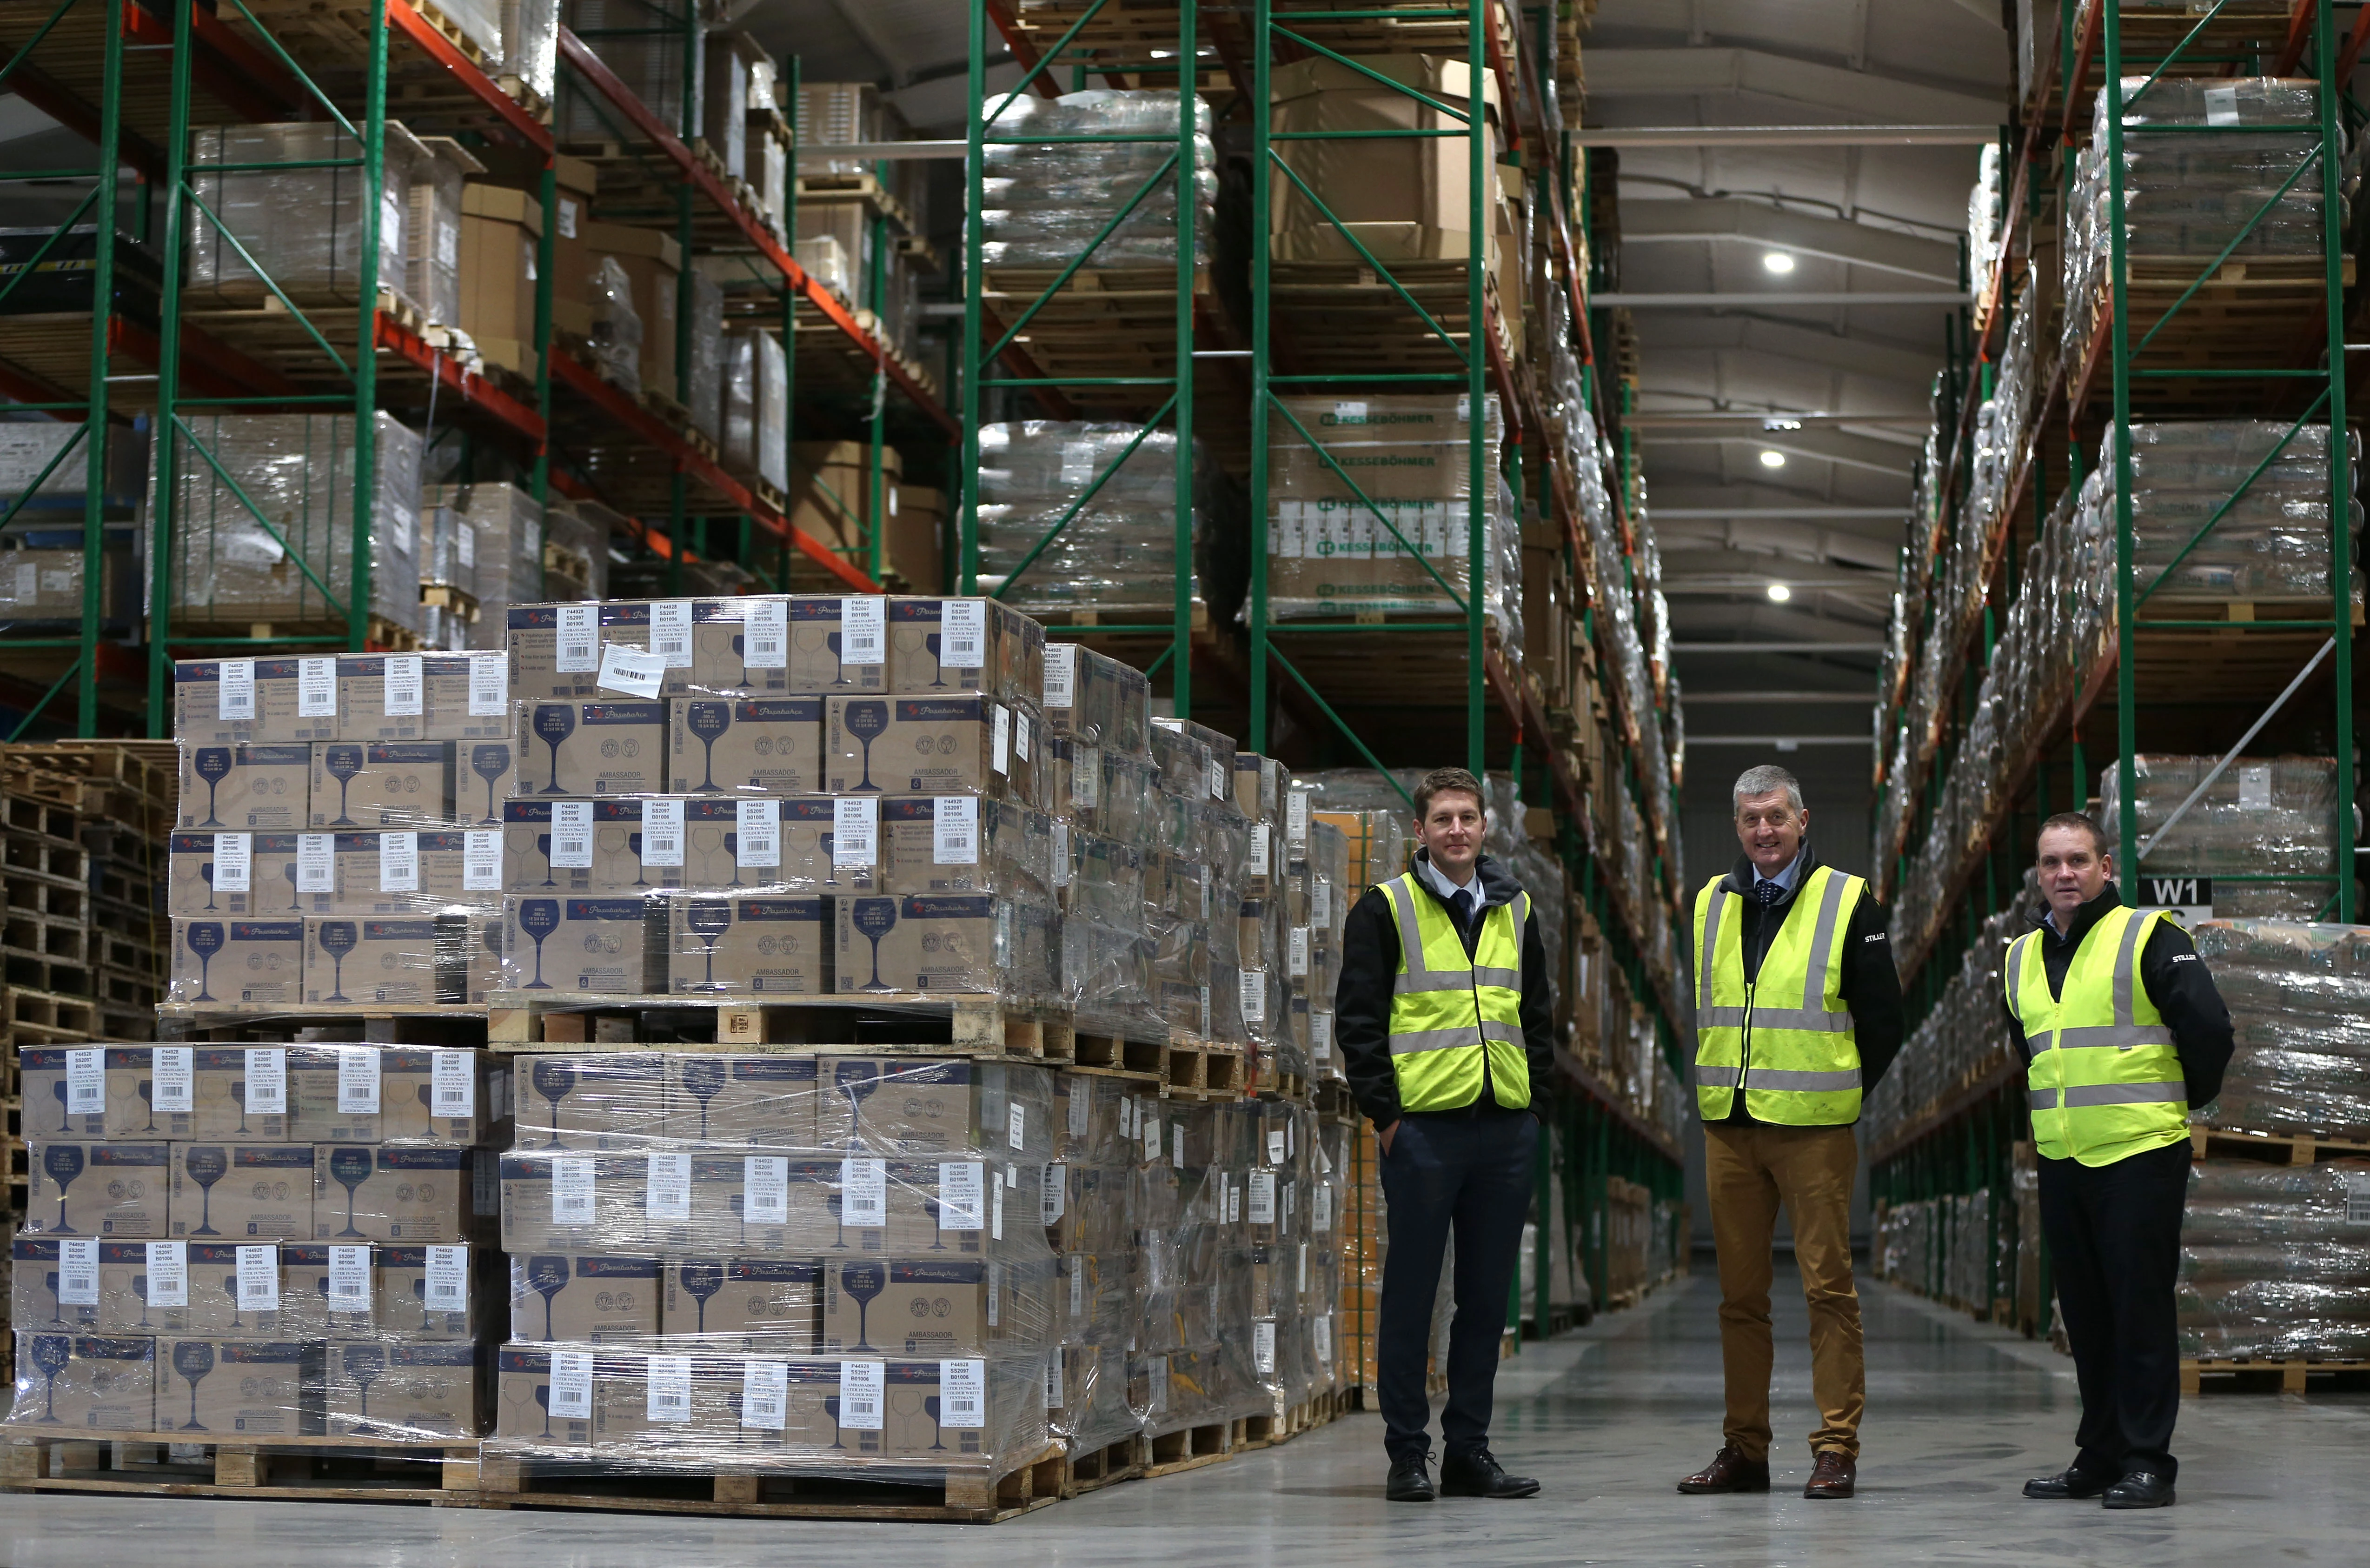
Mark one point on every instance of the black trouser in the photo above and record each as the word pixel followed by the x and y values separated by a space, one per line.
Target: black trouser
pixel 2114 1251
pixel 1472 1173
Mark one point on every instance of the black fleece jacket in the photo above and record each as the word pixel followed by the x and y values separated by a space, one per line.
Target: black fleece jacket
pixel 1361 1004
pixel 2176 983
pixel 1871 987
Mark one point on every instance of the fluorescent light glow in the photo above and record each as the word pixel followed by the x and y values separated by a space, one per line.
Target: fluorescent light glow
pixel 1773 459
pixel 1780 593
pixel 1777 261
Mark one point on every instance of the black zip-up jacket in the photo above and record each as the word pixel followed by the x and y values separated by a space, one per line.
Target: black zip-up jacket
pixel 2176 983
pixel 1361 1004
pixel 1871 988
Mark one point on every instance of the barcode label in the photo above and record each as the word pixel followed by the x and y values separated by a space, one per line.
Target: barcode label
pixel 1061 868
pixel 235 697
pixel 962 1393
pixel 765 1395
pixel 855 832
pixel 316 688
pixel 1295 956
pixel 955 838
pixel 2254 783
pixel 766 1189
pixel 1060 674
pixel 404 686
pixel 571 1385
pixel 579 642
pixel 1254 996
pixel 1302 1286
pixel 168 1274
pixel 1177 1143
pixel 77 1271
pixel 1320 905
pixel 267 1081
pixel 1295 816
pixel 1054 1378
pixel 485 1165
pixel 259 1279
pixel 1258 848
pixel 452 1083
pixel 669 1382
pixel 669 1187
pixel 995 1210
pixel 864 629
pixel 1263 1346
pixel 2221 106
pixel 571 836
pixel 234 862
pixel 173 1080
pixel 1149 1125
pixel 316 862
pixel 399 862
pixel 760 825
pixel 1321 1329
pixel 447 1287
pixel 571 1189
pixel 481 860
pixel 962 634
pixel 1016 1125
pixel 670 632
pixel 663 831
pixel 1086 776
pixel 2357 1200
pixel 490 684
pixel 87 1082
pixel 1262 1197
pixel 1020 734
pixel 633 671
pixel 357 1080
pixel 350 1279
pixel 1321 1209
pixel 1000 752
pixel 962 1184
pixel 1275 1146
pixel 860 1385
pixel 767 643
pixel 1055 1195
pixel 1078 1266
pixel 864 1193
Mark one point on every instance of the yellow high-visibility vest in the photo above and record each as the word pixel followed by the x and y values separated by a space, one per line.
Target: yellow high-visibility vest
pixel 1785 1036
pixel 2105 1082
pixel 1451 1014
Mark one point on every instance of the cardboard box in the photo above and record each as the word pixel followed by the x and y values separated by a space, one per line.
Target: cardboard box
pixel 381 697
pixel 586 946
pixel 829 656
pixel 958 1391
pixel 238 1387
pixel 704 1203
pixel 237 960
pixel 805 834
pixel 38 1280
pixel 751 746
pixel 573 1298
pixel 599 1101
pixel 740 647
pixel 592 748
pixel 311 1305
pixel 223 1074
pixel 653 265
pixel 942 943
pixel 765 1099
pixel 615 1216
pixel 264 701
pixel 392 1094
pixel 147 1287
pixel 247 788
pixel 910 1105
pixel 966 844
pixel 382 784
pixel 93 1381
pixel 243 1191
pixel 908 1307
pixel 748 946
pixel 745 1306
pixel 362 1191
pixel 405 871
pixel 81 1188
pixel 990 648
pixel 917 537
pixel 525 1400
pixel 415 1291
pixel 1094 699
pixel 46 584
pixel 1389 193
pixel 203 875
pixel 48 1097
pixel 921 745
pixel 388 960
pixel 406 1391
pixel 469 694
pixel 502 232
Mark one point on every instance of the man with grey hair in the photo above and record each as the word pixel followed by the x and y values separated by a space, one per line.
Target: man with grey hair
pixel 1798 1013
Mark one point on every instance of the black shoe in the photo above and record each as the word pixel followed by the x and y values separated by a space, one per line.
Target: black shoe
pixel 2065 1484
pixel 1479 1474
pixel 1409 1481
pixel 2141 1489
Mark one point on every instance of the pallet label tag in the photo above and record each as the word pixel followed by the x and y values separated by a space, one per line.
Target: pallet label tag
pixel 259 1279
pixel 267 1080
pixel 404 686
pixel 670 632
pixel 87 1082
pixel 632 670
pixel 1002 759
pixel 954 839
pixel 490 684
pixel 77 1271
pixel 316 862
pixel 357 1080
pixel 1053 1198
pixel 448 1278
pixel 864 1193
pixel 1321 1209
pixel 669 1397
pixel 1254 996
pixel 1275 1149
pixel 1086 776
pixel 962 634
pixel 578 646
pixel 571 835
pixel 962 1393
pixel 350 1279
pixel 1296 955
pixel 766 1189
pixel 481 860
pixel 2357 1200
pixel 760 825
pixel 173 1079
pixel 234 862
pixel 1060 674
pixel 399 862
pixel 995 1215
pixel 959 1185
pixel 571 1189
pixel 1323 1334
pixel 854 831
pixel 452 1083
pixel 864 629
pixel 236 694
pixel 663 831
pixel 1258 848
pixel 1054 1378
pixel 861 1383
pixel 1262 1197
pixel 767 641
pixel 1263 1346
pixel 168 1274
pixel 1016 1125
pixel 765 1395
pixel 316 688
pixel 572 1384
pixel 1020 734
pixel 668 1195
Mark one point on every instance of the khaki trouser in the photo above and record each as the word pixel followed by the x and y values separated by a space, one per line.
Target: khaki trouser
pixel 1751 1169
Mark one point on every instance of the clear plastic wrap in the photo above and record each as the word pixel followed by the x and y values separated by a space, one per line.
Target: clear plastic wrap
pixel 1964 1038
pixel 704 391
pixel 432 229
pixel 2300 996
pixel 530 53
pixel 647 45
pixel 2264 831
pixel 1116 553
pixel 302 225
pixel 756 411
pixel 616 329
pixel 1046 201
pixel 2273 1261
pixel 507 547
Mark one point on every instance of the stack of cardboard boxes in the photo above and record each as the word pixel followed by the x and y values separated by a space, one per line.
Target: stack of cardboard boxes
pixel 269 1240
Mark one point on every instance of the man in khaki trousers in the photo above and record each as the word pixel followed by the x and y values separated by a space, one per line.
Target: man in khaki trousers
pixel 1798 1012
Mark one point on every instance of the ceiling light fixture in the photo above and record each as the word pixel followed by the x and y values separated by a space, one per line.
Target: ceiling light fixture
pixel 1779 262
pixel 1773 459
pixel 1780 593
pixel 1780 423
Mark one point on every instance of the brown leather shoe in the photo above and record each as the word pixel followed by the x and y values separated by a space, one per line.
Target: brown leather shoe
pixel 1729 1471
pixel 1834 1475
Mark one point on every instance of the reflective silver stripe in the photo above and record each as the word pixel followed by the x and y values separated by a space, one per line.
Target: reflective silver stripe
pixel 1719 1018
pixel 1404 984
pixel 2016 975
pixel 1802 1082
pixel 1711 1077
pixel 1709 960
pixel 2127 1094
pixel 2125 956
pixel 1506 979
pixel 1823 943
pixel 2118 1036
pixel 1402 895
pixel 2046 1042
pixel 1819 1022
pixel 2040 1099
pixel 1505 1034
pixel 1434 1040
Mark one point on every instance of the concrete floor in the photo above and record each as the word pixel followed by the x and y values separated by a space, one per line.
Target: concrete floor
pixel 1959 1414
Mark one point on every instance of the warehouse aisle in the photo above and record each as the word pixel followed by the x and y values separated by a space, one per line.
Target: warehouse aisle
pixel 1959 1415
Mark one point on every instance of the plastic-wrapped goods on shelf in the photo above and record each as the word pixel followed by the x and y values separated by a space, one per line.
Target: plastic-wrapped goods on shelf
pixel 704 390
pixel 506 551
pixel 1404 197
pixel 284 553
pixel 1111 490
pixel 302 225
pixel 432 229
pixel 836 113
pixel 576 550
pixel 1984 214
pixel 726 98
pixel 2273 1259
pixel 648 44
pixel 1963 1039
pixel 1047 202
pixel 530 53
pixel 756 405
pixel 616 329
pixel 2263 835
pixel 437 954
pixel 2300 996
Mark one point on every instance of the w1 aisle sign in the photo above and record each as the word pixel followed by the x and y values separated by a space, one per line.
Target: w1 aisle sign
pixel 2187 899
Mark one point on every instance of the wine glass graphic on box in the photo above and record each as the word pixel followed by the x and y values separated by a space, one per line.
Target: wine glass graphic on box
pixel 539 918
pixel 419 1294
pixel 140 1289
pixel 875 918
pixel 835 641
pixel 707 720
pixel 205 938
pixel 50 1355
pixel 867 720
pixel 863 1283
pixel 634 847
pixel 212 764
pixel 349 1168
pixel 230 1288
pixel 62 1162
pixel 702 1278
pixel 57 1308
pixel 489 760
pixel 543 1398
pixel 58 1093
pixel 295 896
pixel 554 1079
pixel 935 643
pixel 855 1083
pixel 206 875
pixel 937 1211
pixel 147 1091
pixel 543 847
pixel 364 1362
pixel 703 1076
pixel 733 847
pixel 193 1359
pixel 342 761
pixel 831 1409
pixel 338 938
pixel 546 1275
pixel 707 919
pixel 554 722
pixel 207 1164
pixel 741 651
pixel 931 1406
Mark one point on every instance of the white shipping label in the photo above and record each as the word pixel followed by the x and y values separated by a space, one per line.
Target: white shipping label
pixel 1205 905
pixel 452 1083
pixel 571 836
pixel 1001 752
pixel 1262 1211
pixel 668 1189
pixel 1159 1379
pixel 568 211
pixel 87 1082
pixel 577 645
pixel 1078 1266
pixel 1016 1125
pixel 490 684
pixel 481 860
pixel 357 1080
pixel 571 1189
pixel 1275 1149
pixel 994 1293
pixel 571 1385
pixel 765 1395
pixel 962 1394
pixel 670 632
pixel 1054 1378
pixel 1156 1268
pixel 760 824
pixel 1288 1192
pixel 663 831
pixel 350 1279
pixel 1263 1346
pixel 404 686
pixel 173 1079
pixel 995 1209
pixel 767 643
pixel 1288 1149
pixel 1127 1117
pixel 1320 905
pixel 960 1184
pixel 316 688
pixel 259 1279
pixel 1177 1143
pixel 1218 779
pixel 631 670
pixel 1321 1209
pixel 234 862
pixel 399 862
pixel 1020 733
pixel 79 1270
pixel 2221 106
pixel 955 835
pixel 1295 957
pixel 766 1189
pixel 447 1288
pixel 861 1383
pixel 1077 463
pixel 864 629
pixel 234 698
pixel 267 1081
pixel 1258 848
pixel 1086 776
pixel 1061 853
pixel 1295 816
pixel 1149 1121
pixel 669 1388
pixel 854 831
pixel 464 539
pixel 864 1193
pixel 169 1273
pixel 962 634
pixel 1321 1331
pixel 316 862
pixel 1230 1203
pixel 1254 996
pixel 1060 674
pixel 2254 783
pixel 1053 1195
pixel 1077 1099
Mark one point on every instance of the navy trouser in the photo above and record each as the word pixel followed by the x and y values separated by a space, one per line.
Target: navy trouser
pixel 1472 1174
pixel 2114 1251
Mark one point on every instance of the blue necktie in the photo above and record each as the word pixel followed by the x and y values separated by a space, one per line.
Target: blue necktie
pixel 1460 904
pixel 1768 893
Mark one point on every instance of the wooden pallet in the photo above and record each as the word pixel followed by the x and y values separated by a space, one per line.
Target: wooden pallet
pixel 2294 1148
pixel 41 1016
pixel 45 805
pixel 382 635
pixel 62 976
pixel 450 1024
pixel 1192 1447
pixel 529 1021
pixel 1121 1056
pixel 27 854
pixel 902 1494
pixel 2257 311
pixel 330 39
pixel 1103 321
pixel 1106 1466
pixel 831 189
pixel 1342 318
pixel 1203 1069
pixel 309 1468
pixel 1317 1410
pixel 2290 1375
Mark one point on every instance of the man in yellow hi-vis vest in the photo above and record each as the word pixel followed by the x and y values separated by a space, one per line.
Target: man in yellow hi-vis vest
pixel 2123 1032
pixel 1798 1013
pixel 1444 1019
